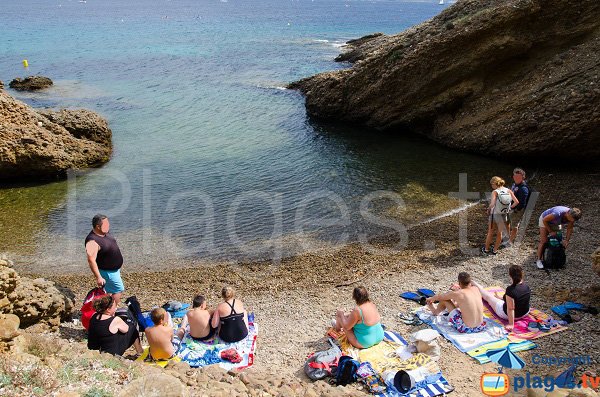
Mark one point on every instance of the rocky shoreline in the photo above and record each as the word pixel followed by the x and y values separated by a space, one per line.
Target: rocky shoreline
pixel 514 79
pixel 294 301
pixel 44 145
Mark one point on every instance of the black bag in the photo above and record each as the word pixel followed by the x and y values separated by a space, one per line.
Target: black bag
pixel 555 257
pixel 346 371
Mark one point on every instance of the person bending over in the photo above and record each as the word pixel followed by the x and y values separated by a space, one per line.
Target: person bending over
pixel 160 336
pixel 551 222
pixel 230 317
pixel 465 306
pixel 362 325
pixel 109 333
pixel 198 321
pixel 515 301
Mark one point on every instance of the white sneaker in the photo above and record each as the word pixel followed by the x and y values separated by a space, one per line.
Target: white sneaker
pixel 539 264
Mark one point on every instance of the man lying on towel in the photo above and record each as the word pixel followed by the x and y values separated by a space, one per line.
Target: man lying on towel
pixel 160 336
pixel 464 305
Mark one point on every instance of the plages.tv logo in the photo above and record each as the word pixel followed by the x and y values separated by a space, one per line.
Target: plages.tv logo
pixel 495 384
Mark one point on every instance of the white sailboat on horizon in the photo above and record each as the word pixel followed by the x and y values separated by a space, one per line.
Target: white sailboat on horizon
pixel 441 2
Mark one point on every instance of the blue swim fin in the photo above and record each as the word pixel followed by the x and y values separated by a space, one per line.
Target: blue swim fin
pixel 412 296
pixel 426 292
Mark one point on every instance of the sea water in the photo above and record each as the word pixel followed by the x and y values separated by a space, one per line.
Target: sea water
pixel 213 158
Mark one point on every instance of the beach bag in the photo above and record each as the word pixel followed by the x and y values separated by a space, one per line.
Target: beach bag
pixel 322 364
pixel 504 200
pixel 136 310
pixel 555 257
pixel 346 371
pixel 87 310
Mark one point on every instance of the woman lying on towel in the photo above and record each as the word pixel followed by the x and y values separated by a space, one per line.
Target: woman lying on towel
pixel 363 324
pixel 230 317
pixel 109 333
pixel 515 302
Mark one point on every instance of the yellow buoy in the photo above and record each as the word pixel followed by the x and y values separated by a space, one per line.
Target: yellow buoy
pixel 25 63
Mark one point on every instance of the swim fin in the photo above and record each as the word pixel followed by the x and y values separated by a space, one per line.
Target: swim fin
pixel 426 292
pixel 412 296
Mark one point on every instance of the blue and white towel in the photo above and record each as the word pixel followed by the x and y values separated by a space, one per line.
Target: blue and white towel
pixel 201 354
pixel 464 342
pixel 437 388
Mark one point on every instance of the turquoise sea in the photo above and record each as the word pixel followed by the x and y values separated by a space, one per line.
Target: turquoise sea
pixel 213 158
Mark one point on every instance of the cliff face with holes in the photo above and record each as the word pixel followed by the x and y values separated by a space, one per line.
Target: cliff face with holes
pixel 513 78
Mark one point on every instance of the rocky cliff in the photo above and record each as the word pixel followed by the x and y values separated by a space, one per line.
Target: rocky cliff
pixel 513 78
pixel 35 146
pixel 33 301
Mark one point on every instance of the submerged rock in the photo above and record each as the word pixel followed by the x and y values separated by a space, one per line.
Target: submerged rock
pixel 30 83
pixel 513 78
pixel 36 147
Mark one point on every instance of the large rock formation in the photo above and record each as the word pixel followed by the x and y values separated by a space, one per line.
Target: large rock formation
pixel 30 83
pixel 35 146
pixel 33 300
pixel 518 78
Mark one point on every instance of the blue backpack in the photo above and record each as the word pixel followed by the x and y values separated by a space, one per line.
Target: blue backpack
pixel 346 371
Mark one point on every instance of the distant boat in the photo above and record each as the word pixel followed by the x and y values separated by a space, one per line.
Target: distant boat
pixel 441 2
pixel 84 1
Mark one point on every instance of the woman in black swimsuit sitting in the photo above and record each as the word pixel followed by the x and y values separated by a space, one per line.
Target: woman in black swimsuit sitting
pixel 109 333
pixel 230 317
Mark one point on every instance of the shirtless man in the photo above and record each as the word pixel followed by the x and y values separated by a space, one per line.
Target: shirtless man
pixel 160 336
pixel 464 304
pixel 198 320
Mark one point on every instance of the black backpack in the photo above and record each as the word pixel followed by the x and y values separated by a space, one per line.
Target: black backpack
pixel 555 257
pixel 346 371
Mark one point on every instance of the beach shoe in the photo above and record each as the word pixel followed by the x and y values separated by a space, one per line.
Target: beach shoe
pixel 231 355
pixel 539 264
pixel 410 319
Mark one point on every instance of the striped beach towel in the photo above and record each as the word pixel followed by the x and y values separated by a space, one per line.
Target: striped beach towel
pixel 479 353
pixel 520 330
pixel 392 340
pixel 493 332
pixel 438 388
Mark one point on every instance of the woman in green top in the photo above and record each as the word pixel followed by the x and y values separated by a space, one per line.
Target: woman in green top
pixel 363 324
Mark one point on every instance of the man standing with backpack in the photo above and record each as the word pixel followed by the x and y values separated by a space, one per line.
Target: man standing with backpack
pixel 521 191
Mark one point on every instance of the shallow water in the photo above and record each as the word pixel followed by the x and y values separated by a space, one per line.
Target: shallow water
pixel 213 159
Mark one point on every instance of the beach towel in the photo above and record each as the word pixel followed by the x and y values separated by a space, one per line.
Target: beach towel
pixel 201 354
pixel 520 330
pixel 516 345
pixel 383 357
pixel 157 363
pixel 493 332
